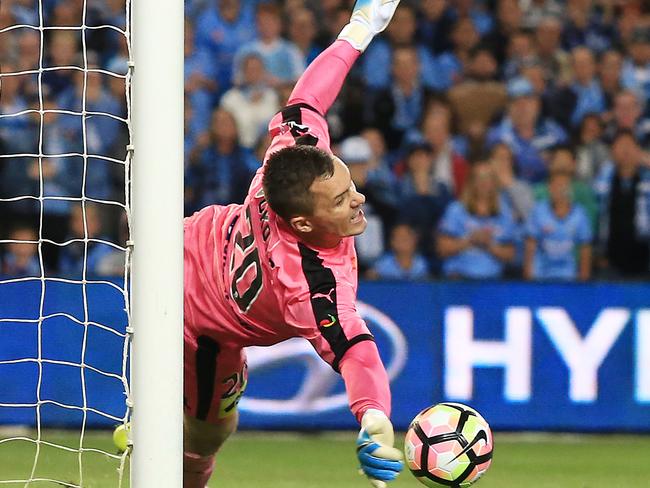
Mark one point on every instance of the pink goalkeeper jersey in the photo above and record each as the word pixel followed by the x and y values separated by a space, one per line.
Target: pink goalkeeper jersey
pixel 268 284
pixel 250 281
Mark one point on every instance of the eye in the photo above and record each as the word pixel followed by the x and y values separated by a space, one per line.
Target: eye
pixel 339 202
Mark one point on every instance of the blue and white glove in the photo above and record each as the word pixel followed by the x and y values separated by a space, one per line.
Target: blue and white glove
pixel 380 461
pixel 369 18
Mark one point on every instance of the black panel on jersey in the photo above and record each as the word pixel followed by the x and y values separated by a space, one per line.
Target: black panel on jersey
pixel 322 293
pixel 307 140
pixel 206 371
pixel 292 115
pixel 351 342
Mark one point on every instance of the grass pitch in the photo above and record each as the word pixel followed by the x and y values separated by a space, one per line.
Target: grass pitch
pixel 278 460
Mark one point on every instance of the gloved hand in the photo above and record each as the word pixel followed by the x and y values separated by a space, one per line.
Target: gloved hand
pixel 369 18
pixel 380 461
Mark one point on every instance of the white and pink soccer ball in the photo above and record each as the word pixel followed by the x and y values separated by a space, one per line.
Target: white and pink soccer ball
pixel 448 444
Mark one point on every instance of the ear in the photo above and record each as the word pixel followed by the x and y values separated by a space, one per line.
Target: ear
pixel 301 224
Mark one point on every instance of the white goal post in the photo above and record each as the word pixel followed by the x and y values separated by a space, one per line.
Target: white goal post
pixel 157 280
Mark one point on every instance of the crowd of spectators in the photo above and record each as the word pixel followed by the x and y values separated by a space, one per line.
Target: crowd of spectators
pixel 492 138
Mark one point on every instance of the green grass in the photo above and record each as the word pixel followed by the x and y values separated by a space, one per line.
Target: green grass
pixel 277 460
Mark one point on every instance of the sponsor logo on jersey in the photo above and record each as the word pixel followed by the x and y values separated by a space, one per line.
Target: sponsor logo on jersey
pixel 327 296
pixel 328 323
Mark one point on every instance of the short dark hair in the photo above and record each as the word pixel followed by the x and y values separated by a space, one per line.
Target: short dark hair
pixel 289 174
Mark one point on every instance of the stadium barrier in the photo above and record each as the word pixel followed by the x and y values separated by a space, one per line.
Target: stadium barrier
pixel 570 357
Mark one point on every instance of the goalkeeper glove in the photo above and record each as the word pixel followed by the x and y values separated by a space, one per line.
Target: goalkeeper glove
pixel 369 17
pixel 380 461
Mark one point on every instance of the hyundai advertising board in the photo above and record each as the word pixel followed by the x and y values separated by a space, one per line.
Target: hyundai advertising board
pixel 570 357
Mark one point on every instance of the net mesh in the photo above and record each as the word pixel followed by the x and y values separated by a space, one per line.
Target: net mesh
pixel 65 131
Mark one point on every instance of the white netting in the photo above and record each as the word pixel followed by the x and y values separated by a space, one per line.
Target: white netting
pixel 65 152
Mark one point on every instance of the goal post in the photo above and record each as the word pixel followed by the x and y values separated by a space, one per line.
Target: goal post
pixel 157 279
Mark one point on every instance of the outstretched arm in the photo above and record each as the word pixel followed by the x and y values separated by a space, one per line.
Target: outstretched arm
pixel 302 121
pixel 365 379
pixel 320 84
pixel 366 383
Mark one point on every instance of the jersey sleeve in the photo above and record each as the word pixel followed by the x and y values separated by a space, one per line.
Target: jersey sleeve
pixel 298 124
pixel 319 303
pixel 366 380
pixel 302 121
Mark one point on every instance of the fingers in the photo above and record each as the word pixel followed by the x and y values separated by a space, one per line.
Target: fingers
pixel 379 460
pixel 380 474
pixel 370 457
pixel 379 468
pixel 389 453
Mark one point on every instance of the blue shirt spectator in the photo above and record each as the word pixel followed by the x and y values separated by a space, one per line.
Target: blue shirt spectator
pixel 636 77
pixel 583 31
pixel 399 108
pixel 475 234
pixel 283 61
pixel 475 261
pixel 403 262
pixel 450 65
pixel 377 62
pixel 378 58
pixel 389 268
pixel 556 240
pixel 220 169
pixel 222 29
pixel 527 134
pixel 636 68
pixel 586 87
pixel 529 153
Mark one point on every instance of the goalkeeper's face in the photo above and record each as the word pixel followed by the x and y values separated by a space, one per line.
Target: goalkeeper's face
pixel 337 204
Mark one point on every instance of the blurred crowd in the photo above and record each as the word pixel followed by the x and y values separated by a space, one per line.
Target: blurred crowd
pixel 492 138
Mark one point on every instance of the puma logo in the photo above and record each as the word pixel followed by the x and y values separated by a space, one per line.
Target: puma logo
pixel 327 296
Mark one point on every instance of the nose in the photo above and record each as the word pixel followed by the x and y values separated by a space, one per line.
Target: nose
pixel 358 199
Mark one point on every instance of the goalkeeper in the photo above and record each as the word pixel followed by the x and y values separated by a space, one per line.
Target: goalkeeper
pixel 283 265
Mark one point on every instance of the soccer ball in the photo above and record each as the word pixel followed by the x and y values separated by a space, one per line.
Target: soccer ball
pixel 448 444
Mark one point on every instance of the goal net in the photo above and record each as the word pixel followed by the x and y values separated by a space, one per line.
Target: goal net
pixel 65 240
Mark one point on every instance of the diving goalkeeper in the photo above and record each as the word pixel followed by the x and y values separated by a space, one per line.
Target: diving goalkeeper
pixel 283 265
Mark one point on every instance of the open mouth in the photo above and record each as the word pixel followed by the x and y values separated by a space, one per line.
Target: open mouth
pixel 358 217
